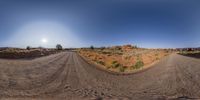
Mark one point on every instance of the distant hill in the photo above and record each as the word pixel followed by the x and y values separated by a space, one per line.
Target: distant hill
pixel 3 48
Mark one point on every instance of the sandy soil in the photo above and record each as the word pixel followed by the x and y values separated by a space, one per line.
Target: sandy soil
pixel 66 76
pixel 123 61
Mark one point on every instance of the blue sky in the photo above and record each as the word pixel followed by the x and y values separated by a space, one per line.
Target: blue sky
pixel 151 24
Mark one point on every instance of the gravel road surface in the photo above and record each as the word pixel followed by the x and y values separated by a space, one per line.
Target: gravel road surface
pixel 67 76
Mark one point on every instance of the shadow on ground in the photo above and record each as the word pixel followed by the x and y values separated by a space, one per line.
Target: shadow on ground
pixel 194 55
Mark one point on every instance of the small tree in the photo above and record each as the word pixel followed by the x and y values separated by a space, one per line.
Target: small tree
pixel 28 47
pixel 92 47
pixel 59 47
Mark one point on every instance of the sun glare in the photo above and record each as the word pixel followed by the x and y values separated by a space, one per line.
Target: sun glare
pixel 44 40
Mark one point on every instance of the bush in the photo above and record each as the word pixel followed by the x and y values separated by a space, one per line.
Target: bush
pixel 59 47
pixel 138 64
pixel 122 68
pixel 102 48
pixel 106 52
pixel 28 47
pixel 108 67
pixel 115 64
pixel 118 48
pixel 101 62
pixel 92 47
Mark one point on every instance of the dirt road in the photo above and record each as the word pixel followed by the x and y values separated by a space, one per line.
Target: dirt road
pixel 66 76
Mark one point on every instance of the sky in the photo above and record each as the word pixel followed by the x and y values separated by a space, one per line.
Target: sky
pixel 149 24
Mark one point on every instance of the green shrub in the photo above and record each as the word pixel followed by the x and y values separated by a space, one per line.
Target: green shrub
pixel 115 64
pixel 106 52
pixel 101 62
pixel 119 53
pixel 122 69
pixel 138 64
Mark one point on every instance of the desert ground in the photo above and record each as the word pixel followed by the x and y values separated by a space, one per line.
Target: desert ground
pixel 67 76
pixel 123 59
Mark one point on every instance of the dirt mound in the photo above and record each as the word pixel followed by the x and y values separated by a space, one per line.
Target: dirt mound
pixel 125 58
pixel 15 53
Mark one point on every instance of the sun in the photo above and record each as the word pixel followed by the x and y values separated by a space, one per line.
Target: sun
pixel 44 40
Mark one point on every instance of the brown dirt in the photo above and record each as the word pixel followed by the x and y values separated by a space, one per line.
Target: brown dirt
pixel 66 76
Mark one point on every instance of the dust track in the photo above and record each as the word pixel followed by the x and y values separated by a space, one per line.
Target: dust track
pixel 66 76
